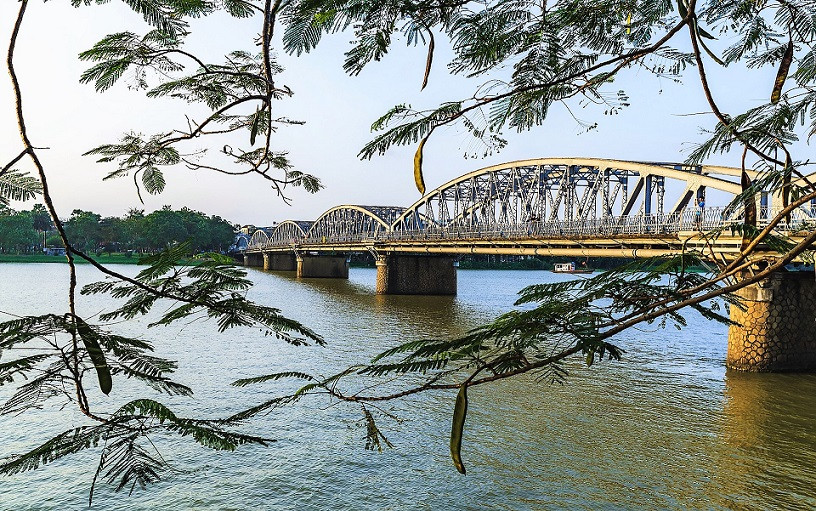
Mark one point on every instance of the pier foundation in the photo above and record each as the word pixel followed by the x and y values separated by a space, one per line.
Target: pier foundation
pixel 253 259
pixel 415 275
pixel 279 261
pixel 777 330
pixel 322 266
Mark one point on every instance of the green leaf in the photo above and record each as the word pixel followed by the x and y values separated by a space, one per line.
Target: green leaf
pixel 271 377
pixel 68 442
pixel 20 367
pixel 682 8
pixel 153 180
pixel 18 186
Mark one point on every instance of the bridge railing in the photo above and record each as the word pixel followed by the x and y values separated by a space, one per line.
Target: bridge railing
pixel 632 225
pixel 691 219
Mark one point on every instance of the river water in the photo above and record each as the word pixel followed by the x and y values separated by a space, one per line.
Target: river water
pixel 665 428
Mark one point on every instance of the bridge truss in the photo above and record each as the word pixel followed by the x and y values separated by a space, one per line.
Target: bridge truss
pixel 543 202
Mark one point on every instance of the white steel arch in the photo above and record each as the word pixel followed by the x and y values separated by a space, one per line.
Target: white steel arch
pixel 563 190
pixel 259 240
pixel 352 223
pixel 289 232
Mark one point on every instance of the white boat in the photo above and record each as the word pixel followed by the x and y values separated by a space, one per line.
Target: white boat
pixel 570 268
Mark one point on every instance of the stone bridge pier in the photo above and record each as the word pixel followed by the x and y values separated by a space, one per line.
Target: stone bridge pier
pixel 322 266
pixel 777 330
pixel 253 259
pixel 279 261
pixel 399 274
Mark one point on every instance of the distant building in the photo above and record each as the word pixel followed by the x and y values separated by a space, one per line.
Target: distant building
pixel 54 251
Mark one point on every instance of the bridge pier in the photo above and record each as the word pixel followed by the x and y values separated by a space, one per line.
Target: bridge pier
pixel 415 275
pixel 322 266
pixel 279 261
pixel 253 259
pixel 777 331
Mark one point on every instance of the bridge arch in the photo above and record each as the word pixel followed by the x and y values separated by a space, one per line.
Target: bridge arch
pixel 289 232
pixel 564 190
pixel 259 240
pixel 351 223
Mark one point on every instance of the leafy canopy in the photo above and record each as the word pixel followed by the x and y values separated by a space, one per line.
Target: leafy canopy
pixel 528 56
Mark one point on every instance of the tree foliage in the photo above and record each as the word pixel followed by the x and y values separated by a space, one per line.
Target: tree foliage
pixel 17 232
pixel 528 57
pixel 20 232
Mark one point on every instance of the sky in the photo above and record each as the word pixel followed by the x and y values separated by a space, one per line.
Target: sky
pixel 663 122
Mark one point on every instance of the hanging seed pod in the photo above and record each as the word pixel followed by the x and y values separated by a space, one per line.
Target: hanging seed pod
pixel 89 338
pixel 418 179
pixel 782 74
pixel 459 413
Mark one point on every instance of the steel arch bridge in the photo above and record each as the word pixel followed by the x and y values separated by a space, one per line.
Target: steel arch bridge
pixel 557 206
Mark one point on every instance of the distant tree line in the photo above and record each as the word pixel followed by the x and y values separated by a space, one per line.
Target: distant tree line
pixel 26 232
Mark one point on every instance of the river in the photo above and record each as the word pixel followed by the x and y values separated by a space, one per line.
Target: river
pixel 665 428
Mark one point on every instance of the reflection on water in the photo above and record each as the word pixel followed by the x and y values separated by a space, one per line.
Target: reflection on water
pixel 665 428
pixel 769 428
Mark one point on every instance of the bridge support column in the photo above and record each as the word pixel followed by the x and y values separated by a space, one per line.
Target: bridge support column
pixel 777 331
pixel 415 275
pixel 252 259
pixel 279 261
pixel 322 266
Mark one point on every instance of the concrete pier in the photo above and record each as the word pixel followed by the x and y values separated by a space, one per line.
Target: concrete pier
pixel 416 275
pixel 279 261
pixel 322 266
pixel 253 259
pixel 777 331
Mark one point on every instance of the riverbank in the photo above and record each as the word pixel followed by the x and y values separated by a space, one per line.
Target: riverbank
pixel 115 258
pixel 42 258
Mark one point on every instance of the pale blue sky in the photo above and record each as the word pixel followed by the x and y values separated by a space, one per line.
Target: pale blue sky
pixel 70 118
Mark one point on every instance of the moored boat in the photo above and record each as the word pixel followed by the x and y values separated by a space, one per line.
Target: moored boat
pixel 570 268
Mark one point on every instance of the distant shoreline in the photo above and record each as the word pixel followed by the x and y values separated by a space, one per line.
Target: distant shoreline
pixel 118 258
pixel 42 258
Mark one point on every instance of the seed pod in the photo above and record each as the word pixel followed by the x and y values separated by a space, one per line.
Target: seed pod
pixel 253 132
pixel 428 60
pixel 89 338
pixel 459 413
pixel 681 8
pixel 782 74
pixel 418 179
